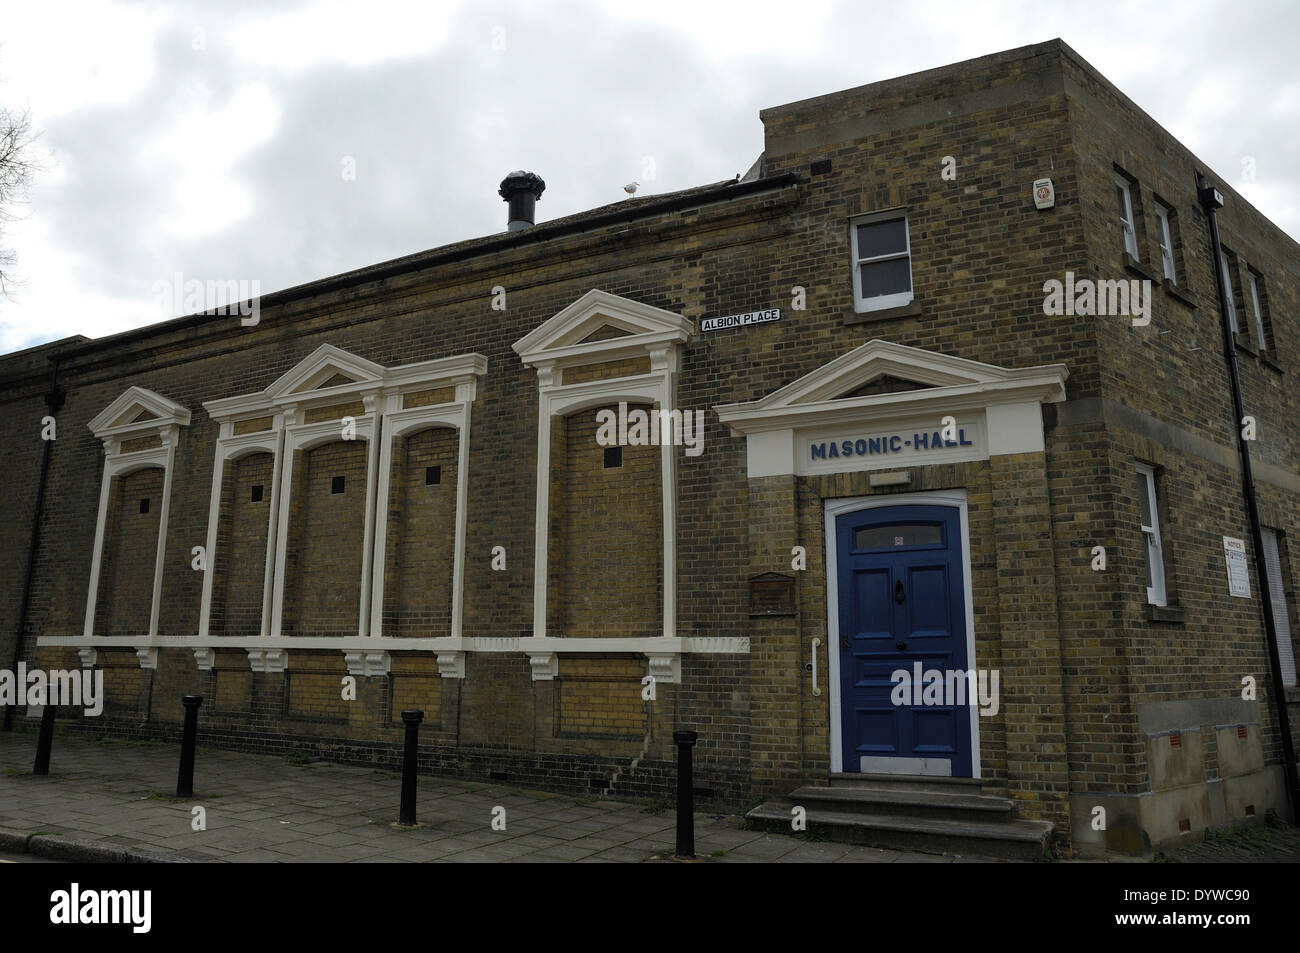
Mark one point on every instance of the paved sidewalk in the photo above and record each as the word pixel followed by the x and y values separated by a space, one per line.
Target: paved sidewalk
pixel 111 800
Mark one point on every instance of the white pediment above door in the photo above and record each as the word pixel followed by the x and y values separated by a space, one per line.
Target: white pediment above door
pixel 833 420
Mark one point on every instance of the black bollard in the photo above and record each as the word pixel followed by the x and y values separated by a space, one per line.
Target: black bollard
pixel 44 740
pixel 185 780
pixel 410 758
pixel 685 740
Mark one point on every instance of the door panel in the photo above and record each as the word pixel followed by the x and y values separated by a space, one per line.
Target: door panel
pixel 927 606
pixel 901 603
pixel 876 620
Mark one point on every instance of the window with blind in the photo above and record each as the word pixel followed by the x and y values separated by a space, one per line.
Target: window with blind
pixel 882 262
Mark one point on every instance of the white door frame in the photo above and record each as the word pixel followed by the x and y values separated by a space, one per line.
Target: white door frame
pixel 839 507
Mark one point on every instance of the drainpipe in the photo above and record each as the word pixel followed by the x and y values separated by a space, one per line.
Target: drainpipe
pixel 53 402
pixel 1212 200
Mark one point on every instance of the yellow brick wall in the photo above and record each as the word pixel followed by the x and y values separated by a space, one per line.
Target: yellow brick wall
pixel 600 696
pixel 628 367
pixel 316 685
pixel 326 538
pixel 240 559
pixel 416 685
pixel 427 398
pixel 151 442
pixel 125 593
pixel 334 412
pixel 121 680
pixel 255 425
pixel 417 590
pixel 176 676
pixel 234 681
pixel 611 557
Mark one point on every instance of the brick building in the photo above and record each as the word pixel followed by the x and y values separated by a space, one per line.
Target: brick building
pixel 398 474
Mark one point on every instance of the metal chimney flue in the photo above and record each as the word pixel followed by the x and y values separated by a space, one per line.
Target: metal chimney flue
pixel 521 190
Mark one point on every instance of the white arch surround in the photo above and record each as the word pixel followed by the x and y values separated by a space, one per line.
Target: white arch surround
pixel 308 437
pixel 232 448
pixel 135 414
pixel 642 331
pixel 287 402
pixel 399 423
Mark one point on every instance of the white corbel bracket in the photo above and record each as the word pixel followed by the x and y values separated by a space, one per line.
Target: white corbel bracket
pixel 148 658
pixel 88 657
pixel 665 667
pixel 451 664
pixel 368 664
pixel 270 661
pixel 545 667
pixel 205 658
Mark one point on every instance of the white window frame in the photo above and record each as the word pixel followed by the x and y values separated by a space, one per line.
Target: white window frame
pixel 559 343
pixel 880 302
pixel 1127 221
pixel 1231 305
pixel 1156 593
pixel 115 425
pixel 1259 312
pixel 381 391
pixel 1166 239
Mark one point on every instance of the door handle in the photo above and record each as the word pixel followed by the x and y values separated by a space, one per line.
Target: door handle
pixel 899 596
pixel 815 643
pixel 900 645
pixel 844 644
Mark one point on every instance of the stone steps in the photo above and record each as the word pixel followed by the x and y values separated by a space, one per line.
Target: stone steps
pixel 929 815
pixel 957 807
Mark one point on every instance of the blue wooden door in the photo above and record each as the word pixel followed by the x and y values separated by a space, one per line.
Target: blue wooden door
pixel 901 602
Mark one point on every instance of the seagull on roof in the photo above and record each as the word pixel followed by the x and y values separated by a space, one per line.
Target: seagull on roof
pixel 631 187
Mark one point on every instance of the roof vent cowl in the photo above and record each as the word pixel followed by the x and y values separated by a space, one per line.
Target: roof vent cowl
pixel 521 190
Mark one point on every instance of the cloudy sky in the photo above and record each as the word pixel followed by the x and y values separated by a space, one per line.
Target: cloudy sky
pixel 215 140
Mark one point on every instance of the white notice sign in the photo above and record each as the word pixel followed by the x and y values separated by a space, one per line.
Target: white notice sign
pixel 741 320
pixel 1234 550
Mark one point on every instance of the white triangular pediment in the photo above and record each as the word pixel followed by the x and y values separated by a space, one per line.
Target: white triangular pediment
pixel 882 384
pixel 926 381
pixel 331 375
pixel 878 359
pixel 321 368
pixel 604 333
pixel 138 408
pixel 599 322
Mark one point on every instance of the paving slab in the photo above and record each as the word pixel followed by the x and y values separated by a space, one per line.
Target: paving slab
pixel 115 796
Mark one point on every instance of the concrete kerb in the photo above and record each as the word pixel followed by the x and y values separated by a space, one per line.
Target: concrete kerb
pixel 53 847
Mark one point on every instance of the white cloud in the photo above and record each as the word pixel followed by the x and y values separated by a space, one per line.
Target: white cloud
pixel 344 31
pixel 54 301
pixel 202 148
pixel 722 30
pixel 59 58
